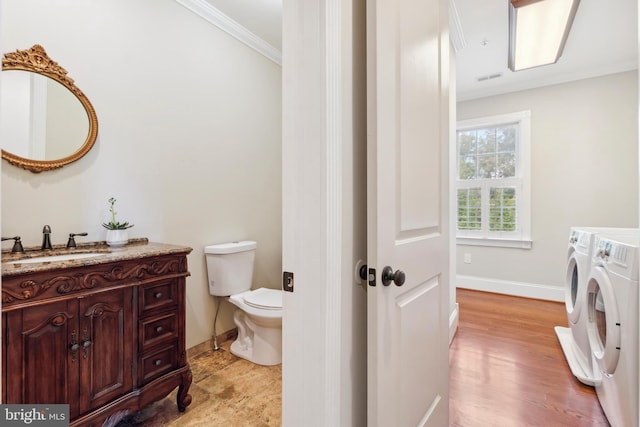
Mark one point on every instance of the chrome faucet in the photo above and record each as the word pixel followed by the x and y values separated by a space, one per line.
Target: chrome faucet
pixel 46 238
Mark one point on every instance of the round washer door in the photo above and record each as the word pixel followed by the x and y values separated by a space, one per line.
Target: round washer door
pixel 603 326
pixel 572 304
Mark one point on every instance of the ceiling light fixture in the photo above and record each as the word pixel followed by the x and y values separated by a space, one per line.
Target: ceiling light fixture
pixel 538 30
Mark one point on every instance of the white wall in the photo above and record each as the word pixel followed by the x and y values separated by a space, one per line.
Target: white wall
pixel 584 146
pixel 189 138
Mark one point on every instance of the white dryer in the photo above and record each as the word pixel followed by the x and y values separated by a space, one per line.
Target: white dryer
pixel 612 295
pixel 574 339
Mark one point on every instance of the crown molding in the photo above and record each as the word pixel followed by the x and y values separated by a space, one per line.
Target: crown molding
pixel 455 28
pixel 225 23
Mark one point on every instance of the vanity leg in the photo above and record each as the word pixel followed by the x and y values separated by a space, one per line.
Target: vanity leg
pixel 184 398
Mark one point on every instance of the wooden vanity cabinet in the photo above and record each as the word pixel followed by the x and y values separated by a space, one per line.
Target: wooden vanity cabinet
pixel 107 339
pixel 77 351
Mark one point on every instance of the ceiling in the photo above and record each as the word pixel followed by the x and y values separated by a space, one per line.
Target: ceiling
pixel 603 40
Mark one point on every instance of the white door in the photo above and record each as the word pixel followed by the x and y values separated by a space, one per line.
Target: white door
pixel 408 227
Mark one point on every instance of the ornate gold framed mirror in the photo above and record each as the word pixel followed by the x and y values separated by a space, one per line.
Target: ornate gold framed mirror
pixel 47 122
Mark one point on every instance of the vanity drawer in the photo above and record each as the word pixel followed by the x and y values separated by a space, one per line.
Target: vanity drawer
pixel 158 328
pixel 155 363
pixel 158 295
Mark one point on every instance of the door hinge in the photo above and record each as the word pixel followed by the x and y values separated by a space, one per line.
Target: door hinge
pixel 287 281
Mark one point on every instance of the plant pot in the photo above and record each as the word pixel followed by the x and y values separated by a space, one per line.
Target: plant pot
pixel 117 238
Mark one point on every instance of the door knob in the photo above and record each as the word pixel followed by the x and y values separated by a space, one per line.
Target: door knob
pixel 362 272
pixel 389 276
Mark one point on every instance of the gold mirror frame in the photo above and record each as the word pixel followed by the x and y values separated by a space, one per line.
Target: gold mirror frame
pixel 37 61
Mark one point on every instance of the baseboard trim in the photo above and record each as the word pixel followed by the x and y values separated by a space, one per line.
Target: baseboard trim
pixel 207 345
pixel 521 289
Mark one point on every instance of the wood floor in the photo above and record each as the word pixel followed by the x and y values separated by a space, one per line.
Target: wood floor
pixel 506 370
pixel 507 367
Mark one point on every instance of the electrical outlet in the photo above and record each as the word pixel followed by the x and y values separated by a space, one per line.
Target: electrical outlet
pixel 467 258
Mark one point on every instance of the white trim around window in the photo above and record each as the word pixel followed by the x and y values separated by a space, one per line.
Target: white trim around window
pixel 520 237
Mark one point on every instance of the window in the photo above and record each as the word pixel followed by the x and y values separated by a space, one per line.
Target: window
pixel 493 181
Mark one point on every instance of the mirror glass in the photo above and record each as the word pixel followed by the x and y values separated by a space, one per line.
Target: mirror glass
pixel 46 122
pixel 41 119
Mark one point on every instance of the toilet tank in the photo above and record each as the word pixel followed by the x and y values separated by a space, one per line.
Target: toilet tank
pixel 230 267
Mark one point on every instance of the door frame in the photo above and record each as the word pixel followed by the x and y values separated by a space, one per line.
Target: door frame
pixel 324 213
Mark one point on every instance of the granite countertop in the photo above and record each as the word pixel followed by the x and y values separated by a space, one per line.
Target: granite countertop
pixel 135 249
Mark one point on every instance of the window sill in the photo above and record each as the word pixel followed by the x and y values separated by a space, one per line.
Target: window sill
pixel 498 243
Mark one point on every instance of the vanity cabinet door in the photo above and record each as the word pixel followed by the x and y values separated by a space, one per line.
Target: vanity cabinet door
pixel 106 347
pixel 41 365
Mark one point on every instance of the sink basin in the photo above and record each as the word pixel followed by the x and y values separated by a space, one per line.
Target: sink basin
pixel 56 258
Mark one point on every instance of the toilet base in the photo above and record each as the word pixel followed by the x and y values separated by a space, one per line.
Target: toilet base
pixel 258 344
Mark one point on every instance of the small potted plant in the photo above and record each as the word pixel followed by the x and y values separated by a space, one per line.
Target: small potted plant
pixel 117 234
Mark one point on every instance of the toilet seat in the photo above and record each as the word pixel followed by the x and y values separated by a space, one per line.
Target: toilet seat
pixel 260 308
pixel 263 298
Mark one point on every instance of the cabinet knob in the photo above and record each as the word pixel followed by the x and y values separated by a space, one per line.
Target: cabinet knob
pixel 158 295
pixel 74 346
pixel 157 362
pixel 159 329
pixel 74 349
pixel 86 343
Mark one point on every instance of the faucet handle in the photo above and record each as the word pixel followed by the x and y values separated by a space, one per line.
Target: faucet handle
pixel 71 243
pixel 46 238
pixel 17 244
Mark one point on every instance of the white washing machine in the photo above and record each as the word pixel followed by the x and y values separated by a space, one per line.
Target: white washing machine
pixel 574 339
pixel 612 327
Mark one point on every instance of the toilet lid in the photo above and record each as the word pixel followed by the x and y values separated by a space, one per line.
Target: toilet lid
pixel 269 299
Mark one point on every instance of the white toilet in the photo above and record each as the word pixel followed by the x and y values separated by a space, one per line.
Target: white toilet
pixel 259 320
